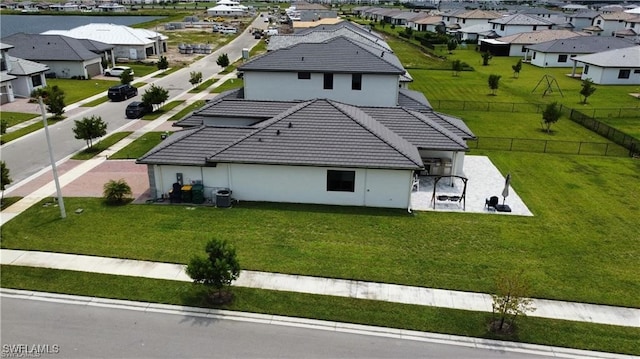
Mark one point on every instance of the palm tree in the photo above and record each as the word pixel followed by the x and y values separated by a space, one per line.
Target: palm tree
pixel 116 192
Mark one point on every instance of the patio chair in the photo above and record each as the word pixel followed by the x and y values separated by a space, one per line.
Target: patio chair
pixel 492 202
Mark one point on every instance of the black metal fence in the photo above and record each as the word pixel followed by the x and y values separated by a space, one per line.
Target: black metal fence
pixel 486 106
pixel 548 146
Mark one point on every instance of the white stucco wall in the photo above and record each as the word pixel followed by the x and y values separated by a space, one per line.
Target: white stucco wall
pixel 295 184
pixel 609 76
pixel 23 85
pixel 377 90
pixel 516 50
pixel 67 69
pixel 516 29
pixel 550 60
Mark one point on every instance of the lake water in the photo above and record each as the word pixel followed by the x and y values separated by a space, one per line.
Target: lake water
pixel 35 24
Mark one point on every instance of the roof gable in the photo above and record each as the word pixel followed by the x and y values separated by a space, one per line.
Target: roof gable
pixel 521 19
pixel 48 48
pixel 626 57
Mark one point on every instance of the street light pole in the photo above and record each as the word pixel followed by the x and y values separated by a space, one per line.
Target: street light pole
pixel 63 213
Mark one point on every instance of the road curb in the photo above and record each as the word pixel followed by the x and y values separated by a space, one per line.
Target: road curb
pixel 403 334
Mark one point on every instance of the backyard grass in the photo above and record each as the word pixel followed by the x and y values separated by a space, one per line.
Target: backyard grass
pixel 230 84
pixel 581 245
pixel 185 111
pixel 102 145
pixel 14 118
pixel 597 337
pixel 8 137
pixel 76 90
pixel 139 146
pixel 162 110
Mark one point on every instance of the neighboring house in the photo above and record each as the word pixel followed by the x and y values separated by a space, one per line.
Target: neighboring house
pixel 129 43
pixel 339 69
pixel 459 20
pixel 614 67
pixel 313 12
pixel 111 7
pixel 540 12
pixel 64 7
pixel 429 23
pixel 558 53
pixel 6 88
pixel 607 24
pixel 516 45
pixel 519 23
pixel 631 29
pixel 476 33
pixel 66 57
pixel 403 19
pixel 29 76
pixel 228 10
pixel 581 19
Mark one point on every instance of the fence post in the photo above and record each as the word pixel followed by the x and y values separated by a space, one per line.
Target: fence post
pixel 580 147
pixel 545 146
pixel 511 145
pixel 464 105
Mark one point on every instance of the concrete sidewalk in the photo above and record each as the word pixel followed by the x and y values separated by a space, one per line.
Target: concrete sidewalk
pixel 600 314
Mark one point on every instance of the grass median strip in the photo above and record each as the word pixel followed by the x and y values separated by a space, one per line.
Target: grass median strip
pixel 88 154
pixel 139 147
pixel 440 320
pixel 8 137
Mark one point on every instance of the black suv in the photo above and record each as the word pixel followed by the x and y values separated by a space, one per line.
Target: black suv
pixel 121 92
pixel 137 109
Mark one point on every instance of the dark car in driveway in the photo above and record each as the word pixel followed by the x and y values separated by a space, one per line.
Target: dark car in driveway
pixel 121 92
pixel 137 109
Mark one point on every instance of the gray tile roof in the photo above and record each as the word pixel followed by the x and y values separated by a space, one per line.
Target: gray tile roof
pixel 521 19
pixel 343 24
pixel 323 133
pixel 193 146
pixel 414 100
pixel 534 37
pixel 587 14
pixel 277 42
pixel 96 46
pixel 582 45
pixel 626 57
pixel 38 47
pixel 338 55
pixel 24 67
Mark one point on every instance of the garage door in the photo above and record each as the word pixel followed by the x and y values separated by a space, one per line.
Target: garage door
pixel 94 69
pixel 4 96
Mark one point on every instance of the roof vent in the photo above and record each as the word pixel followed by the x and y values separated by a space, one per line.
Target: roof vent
pixel 259 139
pixel 382 54
pixel 290 125
pixel 277 132
pixel 302 58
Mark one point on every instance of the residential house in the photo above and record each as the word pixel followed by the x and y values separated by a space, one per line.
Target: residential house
pixel 558 53
pixel 581 19
pixel 631 29
pixel 19 77
pixel 429 23
pixel 516 45
pixel 65 57
pixel 129 43
pixel 313 12
pixel 613 67
pixel 6 88
pixel 322 123
pixel 519 23
pixel 476 33
pixel 607 24
pixel 463 19
pixel 228 10
pixel 111 7
pixel 64 7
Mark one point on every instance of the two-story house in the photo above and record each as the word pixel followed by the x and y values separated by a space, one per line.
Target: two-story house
pixel 608 23
pixel 322 122
pixel 19 77
pixel 581 19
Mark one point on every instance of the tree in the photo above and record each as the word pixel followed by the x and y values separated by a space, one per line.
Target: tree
pixel 587 89
pixel 516 68
pixel 486 56
pixel 550 115
pixel 3 126
pixel 408 31
pixel 196 78
pixel 163 63
pixel 456 66
pixel 116 192
pixel 509 302
pixel 223 60
pixel 5 180
pixel 155 96
pixel 89 128
pixel 217 270
pixel 53 97
pixel 452 45
pixel 494 83
pixel 126 77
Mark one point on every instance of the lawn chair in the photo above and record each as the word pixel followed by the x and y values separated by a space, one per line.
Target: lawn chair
pixel 492 202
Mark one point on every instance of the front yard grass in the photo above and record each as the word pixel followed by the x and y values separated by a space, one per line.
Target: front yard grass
pixel 8 137
pixel 581 245
pixel 228 85
pixel 203 85
pixel 162 110
pixel 139 146
pixel 76 90
pixel 368 312
pixel 14 118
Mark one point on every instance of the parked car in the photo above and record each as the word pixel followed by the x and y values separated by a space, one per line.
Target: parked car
pixel 117 71
pixel 228 30
pixel 121 92
pixel 137 109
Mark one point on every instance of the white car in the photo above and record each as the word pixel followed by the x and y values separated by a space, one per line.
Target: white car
pixel 228 30
pixel 117 71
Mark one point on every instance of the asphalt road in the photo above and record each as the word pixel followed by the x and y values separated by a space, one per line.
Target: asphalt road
pixel 81 331
pixel 29 154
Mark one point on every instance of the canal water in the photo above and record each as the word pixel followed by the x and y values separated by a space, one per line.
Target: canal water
pixel 35 24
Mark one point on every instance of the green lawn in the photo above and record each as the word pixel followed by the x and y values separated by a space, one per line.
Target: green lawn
pixel 228 85
pixel 8 137
pixel 581 245
pixel 102 145
pixel 162 110
pixel 76 90
pixel 440 320
pixel 202 86
pixel 138 147
pixel 14 118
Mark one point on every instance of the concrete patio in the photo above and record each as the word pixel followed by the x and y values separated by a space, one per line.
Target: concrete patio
pixel 484 181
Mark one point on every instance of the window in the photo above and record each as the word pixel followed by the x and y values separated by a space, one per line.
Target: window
pixel 304 75
pixel 534 55
pixel 341 181
pixel 624 74
pixel 328 81
pixel 523 49
pixel 636 71
pixel 598 22
pixel 535 27
pixel 562 58
pixel 36 80
pixel 356 82
pixel 501 27
pixel 586 69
